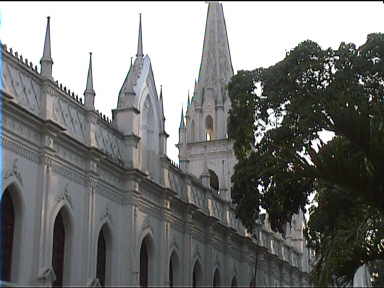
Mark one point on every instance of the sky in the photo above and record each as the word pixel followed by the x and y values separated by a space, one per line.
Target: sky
pixel 259 33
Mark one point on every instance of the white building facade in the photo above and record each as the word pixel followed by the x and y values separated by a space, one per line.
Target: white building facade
pixel 90 201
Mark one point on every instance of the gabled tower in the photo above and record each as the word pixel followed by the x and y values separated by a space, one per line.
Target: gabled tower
pixel 139 116
pixel 208 111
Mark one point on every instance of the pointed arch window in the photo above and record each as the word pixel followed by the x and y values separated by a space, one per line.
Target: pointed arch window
pixel 144 266
pixel 213 180
pixel 146 259
pixel 192 131
pixel 208 128
pixel 216 279
pixel 101 258
pixel 197 275
pixel 58 250
pixel 7 214
pixel 174 270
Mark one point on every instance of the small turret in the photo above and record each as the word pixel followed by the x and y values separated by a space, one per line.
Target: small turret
pixel 162 106
pixel 163 134
pixel 46 61
pixel 182 124
pixel 89 93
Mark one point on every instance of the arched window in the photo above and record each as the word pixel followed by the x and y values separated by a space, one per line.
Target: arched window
pixel 209 128
pixel 171 273
pixel 213 180
pixel 7 214
pixel 234 282
pixel 192 132
pixel 197 275
pixel 174 268
pixel 146 252
pixel 58 249
pixel 216 279
pixel 149 142
pixel 101 258
pixel 103 264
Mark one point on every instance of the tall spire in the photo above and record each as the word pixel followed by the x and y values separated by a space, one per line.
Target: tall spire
pixel 189 101
pixel 216 66
pixel 140 42
pixel 46 61
pixel 89 93
pixel 182 124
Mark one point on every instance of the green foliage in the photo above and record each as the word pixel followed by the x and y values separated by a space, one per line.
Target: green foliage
pixel 311 91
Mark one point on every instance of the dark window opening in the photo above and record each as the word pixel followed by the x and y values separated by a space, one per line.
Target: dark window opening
pixel 7 214
pixel 101 259
pixel 234 283
pixel 196 276
pixel 170 273
pixel 216 279
pixel 213 180
pixel 58 250
pixel 144 265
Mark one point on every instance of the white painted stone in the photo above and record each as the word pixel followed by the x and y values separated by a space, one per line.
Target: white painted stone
pixel 112 176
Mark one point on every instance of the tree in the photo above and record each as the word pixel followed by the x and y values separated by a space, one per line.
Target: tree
pixel 277 117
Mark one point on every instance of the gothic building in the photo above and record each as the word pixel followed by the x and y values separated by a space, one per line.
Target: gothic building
pixel 91 201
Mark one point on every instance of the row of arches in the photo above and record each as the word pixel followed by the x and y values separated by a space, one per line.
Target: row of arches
pixel 10 218
pixel 61 246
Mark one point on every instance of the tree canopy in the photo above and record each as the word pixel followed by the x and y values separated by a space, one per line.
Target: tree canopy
pixel 277 117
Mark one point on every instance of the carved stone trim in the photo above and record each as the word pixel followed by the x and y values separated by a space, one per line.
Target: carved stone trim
pixel 47 275
pixel 94 283
pixel 64 195
pixel 196 253
pixel 14 171
pixel 20 150
pixel 106 216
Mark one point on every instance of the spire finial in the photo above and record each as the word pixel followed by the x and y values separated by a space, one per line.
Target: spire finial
pixel 89 93
pixel 189 100
pixel 140 41
pixel 182 124
pixel 46 61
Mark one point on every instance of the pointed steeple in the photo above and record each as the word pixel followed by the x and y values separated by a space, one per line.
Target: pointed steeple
pixel 46 61
pixel 182 124
pixel 189 101
pixel 216 66
pixel 161 103
pixel 89 93
pixel 140 42
pixel 127 91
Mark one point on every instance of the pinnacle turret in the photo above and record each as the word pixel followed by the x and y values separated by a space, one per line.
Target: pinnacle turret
pixel 140 41
pixel 182 124
pixel 161 103
pixel 127 90
pixel 89 93
pixel 46 61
